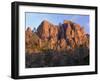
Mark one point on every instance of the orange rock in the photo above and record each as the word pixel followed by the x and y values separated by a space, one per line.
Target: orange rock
pixel 67 35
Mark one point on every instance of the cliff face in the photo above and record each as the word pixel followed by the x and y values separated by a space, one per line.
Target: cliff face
pixel 47 30
pixel 66 36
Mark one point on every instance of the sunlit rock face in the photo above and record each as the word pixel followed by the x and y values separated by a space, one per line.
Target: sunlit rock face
pixel 64 44
pixel 47 30
pixel 67 35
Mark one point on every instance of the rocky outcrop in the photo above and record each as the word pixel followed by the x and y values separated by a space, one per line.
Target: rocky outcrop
pixel 46 30
pixel 73 33
pixel 66 44
pixel 28 37
pixel 32 41
pixel 65 36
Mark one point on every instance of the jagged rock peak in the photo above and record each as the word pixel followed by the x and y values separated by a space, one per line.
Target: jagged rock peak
pixel 46 22
pixel 29 29
pixel 66 21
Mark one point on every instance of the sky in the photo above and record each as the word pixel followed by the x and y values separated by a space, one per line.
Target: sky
pixel 33 20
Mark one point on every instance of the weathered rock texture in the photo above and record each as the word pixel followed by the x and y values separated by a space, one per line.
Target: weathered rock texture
pixel 68 34
pixel 67 38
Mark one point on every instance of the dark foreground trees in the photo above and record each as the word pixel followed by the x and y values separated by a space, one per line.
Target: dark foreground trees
pixel 51 58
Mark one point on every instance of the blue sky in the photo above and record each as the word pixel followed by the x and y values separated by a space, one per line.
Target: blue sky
pixel 34 19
